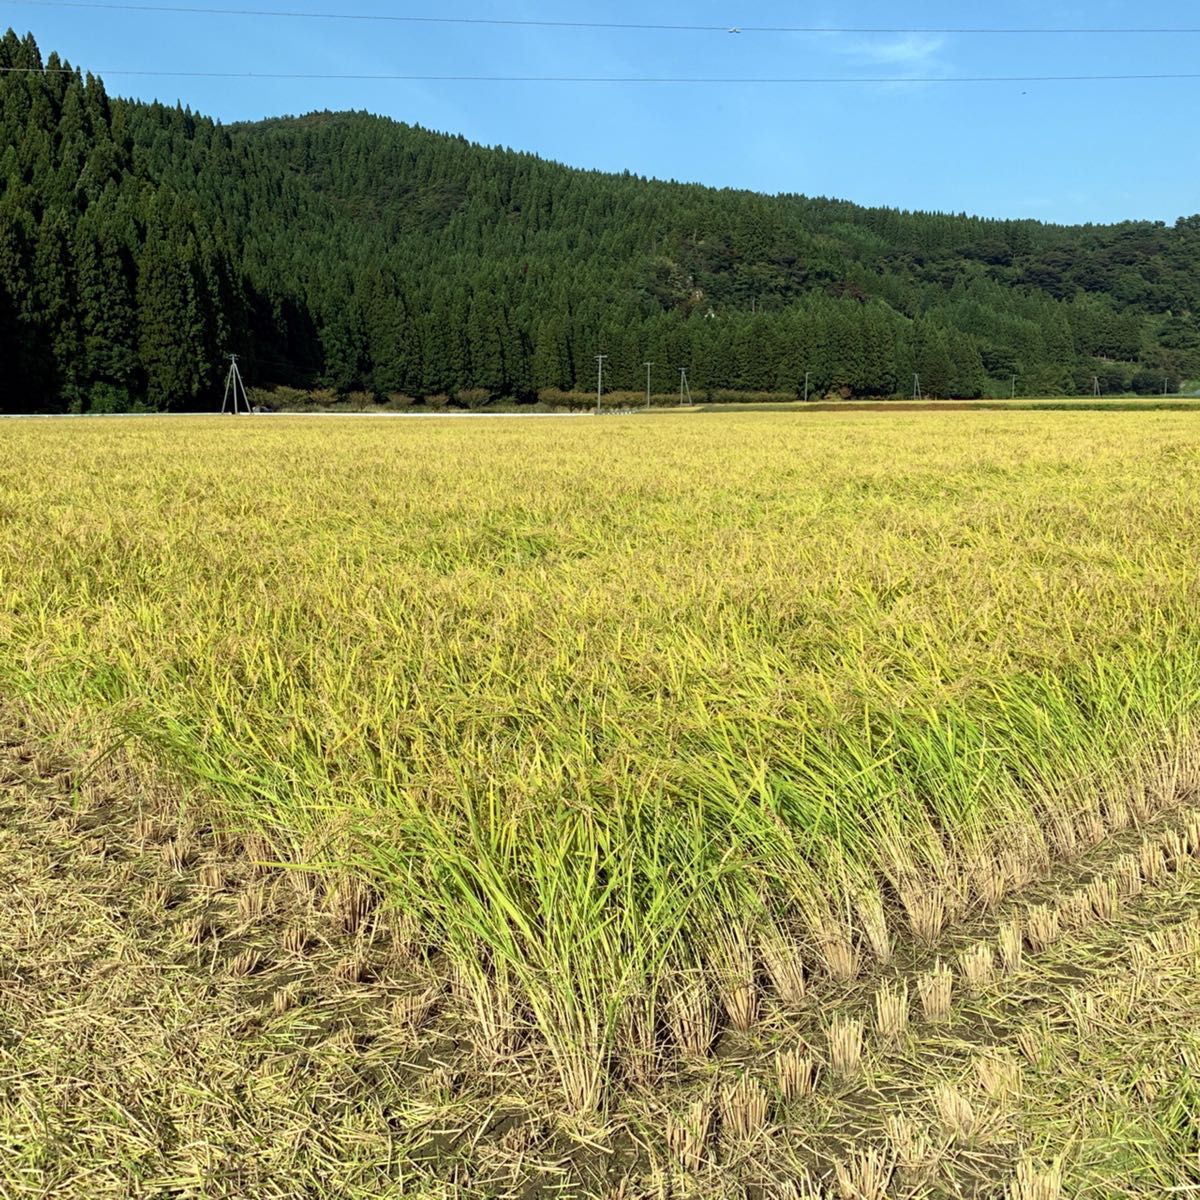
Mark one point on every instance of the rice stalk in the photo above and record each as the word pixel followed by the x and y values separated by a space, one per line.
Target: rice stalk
pixel 935 989
pixel 977 965
pixel 796 1072
pixel 692 1017
pixel 687 1132
pixel 1036 1181
pixel 955 1112
pixel 916 1154
pixel 874 926
pixel 785 965
pixel 999 1074
pixel 743 1108
pixel 866 1176
pixel 734 962
pixel 1151 860
pixel 1011 942
pixel 1104 899
pixel 1042 927
pixel 845 1046
pixel 891 1011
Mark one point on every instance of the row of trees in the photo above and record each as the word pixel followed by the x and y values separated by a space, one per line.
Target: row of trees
pixel 475 343
pixel 139 243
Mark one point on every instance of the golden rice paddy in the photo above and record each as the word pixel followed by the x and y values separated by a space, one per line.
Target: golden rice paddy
pixel 740 804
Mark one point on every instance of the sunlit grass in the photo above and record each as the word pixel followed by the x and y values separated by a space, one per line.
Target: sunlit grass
pixel 599 701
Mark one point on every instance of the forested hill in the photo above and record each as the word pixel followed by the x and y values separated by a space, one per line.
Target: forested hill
pixel 139 243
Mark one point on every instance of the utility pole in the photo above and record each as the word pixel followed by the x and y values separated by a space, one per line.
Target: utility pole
pixel 599 380
pixel 1095 385
pixel 233 387
pixel 917 387
pixel 806 377
pixel 684 389
pixel 1014 387
pixel 648 366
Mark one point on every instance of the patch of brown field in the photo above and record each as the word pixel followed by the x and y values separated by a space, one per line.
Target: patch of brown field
pixel 957 1064
pixel 165 1031
pixel 176 1007
pixel 1084 1017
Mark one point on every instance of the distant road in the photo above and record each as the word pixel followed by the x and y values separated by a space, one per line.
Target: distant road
pixel 427 416
pixel 1185 402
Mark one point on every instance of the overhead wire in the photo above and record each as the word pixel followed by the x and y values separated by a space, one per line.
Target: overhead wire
pixel 709 80
pixel 633 26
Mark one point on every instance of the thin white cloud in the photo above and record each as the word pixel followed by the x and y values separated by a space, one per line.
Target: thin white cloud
pixel 915 55
pixel 911 51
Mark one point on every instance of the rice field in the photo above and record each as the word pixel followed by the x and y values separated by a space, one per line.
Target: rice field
pixel 741 804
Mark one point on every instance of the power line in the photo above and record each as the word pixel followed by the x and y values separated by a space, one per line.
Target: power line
pixel 302 14
pixel 623 79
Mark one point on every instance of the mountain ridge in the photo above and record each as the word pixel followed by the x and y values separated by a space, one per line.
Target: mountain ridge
pixel 139 242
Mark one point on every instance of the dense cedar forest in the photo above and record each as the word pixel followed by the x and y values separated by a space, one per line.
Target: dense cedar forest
pixel 139 243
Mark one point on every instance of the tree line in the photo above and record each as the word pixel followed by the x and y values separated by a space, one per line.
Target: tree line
pixel 139 243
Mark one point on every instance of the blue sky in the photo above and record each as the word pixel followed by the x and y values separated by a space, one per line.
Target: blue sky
pixel 1055 151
